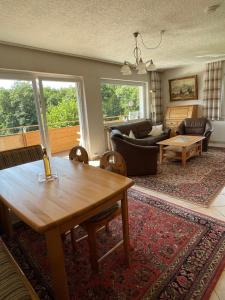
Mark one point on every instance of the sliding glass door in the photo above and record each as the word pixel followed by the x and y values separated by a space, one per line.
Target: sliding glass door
pixel 40 110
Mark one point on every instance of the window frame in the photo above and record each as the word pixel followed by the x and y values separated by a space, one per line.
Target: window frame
pixel 142 105
pixel 222 108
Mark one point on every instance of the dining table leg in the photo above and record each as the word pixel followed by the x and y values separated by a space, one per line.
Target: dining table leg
pixel 55 252
pixel 5 219
pixel 125 221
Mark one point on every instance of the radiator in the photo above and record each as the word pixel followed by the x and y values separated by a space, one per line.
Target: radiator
pixel 218 135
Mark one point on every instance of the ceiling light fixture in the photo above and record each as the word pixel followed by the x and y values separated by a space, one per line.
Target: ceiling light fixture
pixel 140 66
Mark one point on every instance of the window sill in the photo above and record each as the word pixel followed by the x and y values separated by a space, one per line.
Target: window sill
pixel 119 122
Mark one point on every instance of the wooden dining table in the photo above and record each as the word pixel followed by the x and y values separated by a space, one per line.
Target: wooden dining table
pixel 52 208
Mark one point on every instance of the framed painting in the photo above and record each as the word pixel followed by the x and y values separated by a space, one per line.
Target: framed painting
pixel 185 88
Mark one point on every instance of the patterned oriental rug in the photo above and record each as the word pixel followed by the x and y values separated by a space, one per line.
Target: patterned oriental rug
pixel 199 182
pixel 176 254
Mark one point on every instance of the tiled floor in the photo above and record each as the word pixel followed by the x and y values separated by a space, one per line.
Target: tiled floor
pixel 216 210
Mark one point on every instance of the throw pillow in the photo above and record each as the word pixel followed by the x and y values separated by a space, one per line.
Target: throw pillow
pixel 131 135
pixel 156 130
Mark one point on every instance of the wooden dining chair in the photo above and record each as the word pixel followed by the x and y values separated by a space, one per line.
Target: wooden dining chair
pixel 78 153
pixel 114 162
pixel 18 156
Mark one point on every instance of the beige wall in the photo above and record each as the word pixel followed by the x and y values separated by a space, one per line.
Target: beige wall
pixel 218 136
pixel 198 70
pixel 91 71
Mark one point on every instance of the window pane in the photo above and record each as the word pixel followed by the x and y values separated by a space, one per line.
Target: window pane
pixel 121 102
pixel 62 115
pixel 18 118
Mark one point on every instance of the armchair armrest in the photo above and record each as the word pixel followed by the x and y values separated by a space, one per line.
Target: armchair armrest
pixel 140 160
pixel 181 128
pixel 167 131
pixel 208 129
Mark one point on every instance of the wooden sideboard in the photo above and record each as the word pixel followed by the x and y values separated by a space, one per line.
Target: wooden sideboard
pixel 176 114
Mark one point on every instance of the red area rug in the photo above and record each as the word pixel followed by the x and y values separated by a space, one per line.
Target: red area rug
pixel 199 182
pixel 177 254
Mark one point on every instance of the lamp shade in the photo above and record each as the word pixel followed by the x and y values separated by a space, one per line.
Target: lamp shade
pixel 125 69
pixel 151 66
pixel 141 67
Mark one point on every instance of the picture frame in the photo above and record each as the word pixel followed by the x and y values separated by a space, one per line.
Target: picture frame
pixel 185 88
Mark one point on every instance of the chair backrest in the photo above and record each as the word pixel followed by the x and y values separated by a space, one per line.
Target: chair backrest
pixel 195 125
pixel 78 153
pixel 19 156
pixel 114 162
pixel 140 129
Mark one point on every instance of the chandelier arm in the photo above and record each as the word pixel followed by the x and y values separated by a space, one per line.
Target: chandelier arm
pixel 131 65
pixel 159 43
pixel 137 54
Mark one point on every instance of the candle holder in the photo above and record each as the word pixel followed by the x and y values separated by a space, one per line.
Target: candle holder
pixel 43 178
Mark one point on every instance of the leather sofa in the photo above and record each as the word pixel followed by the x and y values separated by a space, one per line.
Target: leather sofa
pixel 141 130
pixel 140 154
pixel 196 126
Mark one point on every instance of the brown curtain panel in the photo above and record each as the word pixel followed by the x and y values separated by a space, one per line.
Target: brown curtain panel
pixel 156 97
pixel 212 90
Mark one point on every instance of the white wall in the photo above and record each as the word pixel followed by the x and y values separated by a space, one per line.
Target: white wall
pixel 18 58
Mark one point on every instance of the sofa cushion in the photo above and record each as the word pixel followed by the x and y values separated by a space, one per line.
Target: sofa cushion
pixel 156 130
pixel 131 135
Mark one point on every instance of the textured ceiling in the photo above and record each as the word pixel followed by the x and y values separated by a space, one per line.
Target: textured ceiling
pixel 102 29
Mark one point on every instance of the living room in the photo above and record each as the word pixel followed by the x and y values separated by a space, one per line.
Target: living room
pixel 87 43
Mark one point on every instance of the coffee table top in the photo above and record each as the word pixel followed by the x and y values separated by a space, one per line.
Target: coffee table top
pixel 182 140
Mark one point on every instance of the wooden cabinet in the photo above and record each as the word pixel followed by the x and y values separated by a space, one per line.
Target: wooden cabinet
pixel 176 114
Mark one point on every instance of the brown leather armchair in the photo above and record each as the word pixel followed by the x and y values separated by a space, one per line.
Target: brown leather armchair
pixel 196 126
pixel 140 160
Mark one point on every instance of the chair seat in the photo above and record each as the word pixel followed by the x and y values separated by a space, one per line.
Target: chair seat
pixel 104 214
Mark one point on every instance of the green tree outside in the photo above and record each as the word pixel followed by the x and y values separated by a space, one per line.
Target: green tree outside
pixel 119 100
pixel 17 105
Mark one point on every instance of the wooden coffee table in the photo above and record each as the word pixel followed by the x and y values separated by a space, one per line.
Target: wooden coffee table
pixel 182 147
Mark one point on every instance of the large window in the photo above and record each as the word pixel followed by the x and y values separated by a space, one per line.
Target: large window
pixel 122 101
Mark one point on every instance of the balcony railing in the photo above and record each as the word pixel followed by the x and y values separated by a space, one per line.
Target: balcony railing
pixel 62 135
pixel 61 138
pixel 132 115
